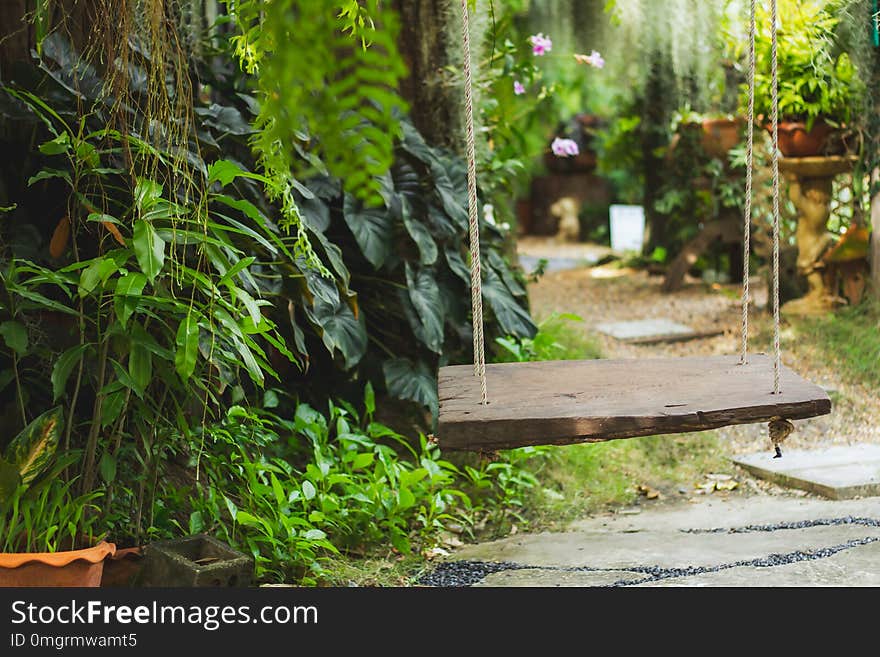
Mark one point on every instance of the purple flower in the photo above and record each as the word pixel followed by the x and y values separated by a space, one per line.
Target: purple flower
pixel 594 59
pixel 518 89
pixel 540 44
pixel 564 147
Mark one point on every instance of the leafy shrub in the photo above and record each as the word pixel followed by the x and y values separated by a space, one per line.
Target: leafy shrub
pixel 294 491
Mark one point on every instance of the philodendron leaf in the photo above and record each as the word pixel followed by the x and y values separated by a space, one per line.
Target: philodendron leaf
pixel 419 233
pixel 372 229
pixel 413 381
pixel 149 249
pixel 425 297
pixel 32 449
pixel 513 318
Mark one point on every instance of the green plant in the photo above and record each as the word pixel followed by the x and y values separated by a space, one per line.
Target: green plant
pixel 556 339
pixel 816 77
pixel 39 511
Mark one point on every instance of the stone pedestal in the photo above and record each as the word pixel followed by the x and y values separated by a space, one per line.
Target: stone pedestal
pixel 809 188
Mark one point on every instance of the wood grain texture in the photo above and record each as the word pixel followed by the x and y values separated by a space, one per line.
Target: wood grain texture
pixel 562 402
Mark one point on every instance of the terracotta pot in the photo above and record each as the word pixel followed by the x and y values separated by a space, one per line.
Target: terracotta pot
pixel 68 568
pixel 719 136
pixel 796 141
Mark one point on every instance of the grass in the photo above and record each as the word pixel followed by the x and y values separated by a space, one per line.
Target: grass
pixel 849 338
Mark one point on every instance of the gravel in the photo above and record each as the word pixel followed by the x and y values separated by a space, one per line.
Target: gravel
pixel 468 573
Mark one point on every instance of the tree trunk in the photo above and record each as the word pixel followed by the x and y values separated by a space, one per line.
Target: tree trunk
pixel 429 42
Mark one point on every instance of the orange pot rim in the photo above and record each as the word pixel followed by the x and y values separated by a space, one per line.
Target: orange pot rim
pixel 93 554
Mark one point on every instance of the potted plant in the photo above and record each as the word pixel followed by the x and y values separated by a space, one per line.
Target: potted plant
pixel 45 528
pixel 818 82
pixel 718 131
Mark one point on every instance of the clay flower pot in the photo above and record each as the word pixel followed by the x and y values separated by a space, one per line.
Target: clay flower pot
pixel 796 141
pixel 719 136
pixel 123 568
pixel 68 568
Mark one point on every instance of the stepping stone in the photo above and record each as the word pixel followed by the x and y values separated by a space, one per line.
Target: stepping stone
pixel 651 330
pixel 839 472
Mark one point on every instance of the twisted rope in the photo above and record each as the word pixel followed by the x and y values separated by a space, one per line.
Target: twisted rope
pixel 747 212
pixel 775 121
pixel 476 274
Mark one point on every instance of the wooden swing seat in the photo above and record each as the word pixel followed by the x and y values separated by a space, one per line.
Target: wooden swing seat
pixel 563 402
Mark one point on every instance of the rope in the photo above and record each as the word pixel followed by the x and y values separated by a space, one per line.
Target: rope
pixel 747 213
pixel 476 274
pixel 775 120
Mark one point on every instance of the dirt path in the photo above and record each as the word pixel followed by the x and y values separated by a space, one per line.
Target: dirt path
pixel 602 294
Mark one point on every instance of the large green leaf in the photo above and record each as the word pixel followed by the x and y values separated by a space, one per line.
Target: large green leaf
pixel 420 234
pixel 140 367
pixel 32 449
pixel 187 346
pixel 127 295
pixel 496 261
pixel 15 335
pixel 513 318
pixel 372 229
pixel 149 249
pixel 339 329
pixel 424 295
pixel 413 381
pixel 64 366
pixel 452 198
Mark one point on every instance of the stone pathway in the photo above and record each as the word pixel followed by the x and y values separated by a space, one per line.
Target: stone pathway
pixel 757 541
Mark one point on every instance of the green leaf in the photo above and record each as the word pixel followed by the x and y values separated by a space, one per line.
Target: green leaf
pixel 244 263
pixel 111 407
pixel 9 481
pixel 46 174
pixel 362 460
pixel 309 490
pixel 223 171
pixel 64 366
pixel 420 234
pixel 369 399
pixel 32 449
pixel 15 335
pixel 107 467
pixel 372 230
pixel 416 382
pixel 280 497
pixel 513 318
pixel 425 297
pixel 127 295
pixel 187 346
pixel 314 535
pixel 149 249
pixel 146 194
pixel 96 273
pixel 61 144
pixel 405 498
pixel 339 329
pixel 140 367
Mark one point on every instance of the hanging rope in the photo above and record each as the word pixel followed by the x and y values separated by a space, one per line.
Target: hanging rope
pixel 747 212
pixel 476 274
pixel 775 120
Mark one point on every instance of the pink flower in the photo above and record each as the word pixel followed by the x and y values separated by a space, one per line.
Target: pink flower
pixel 540 44
pixel 564 147
pixel 594 59
pixel 518 89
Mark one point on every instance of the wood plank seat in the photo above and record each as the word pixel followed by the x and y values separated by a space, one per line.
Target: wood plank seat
pixel 562 402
